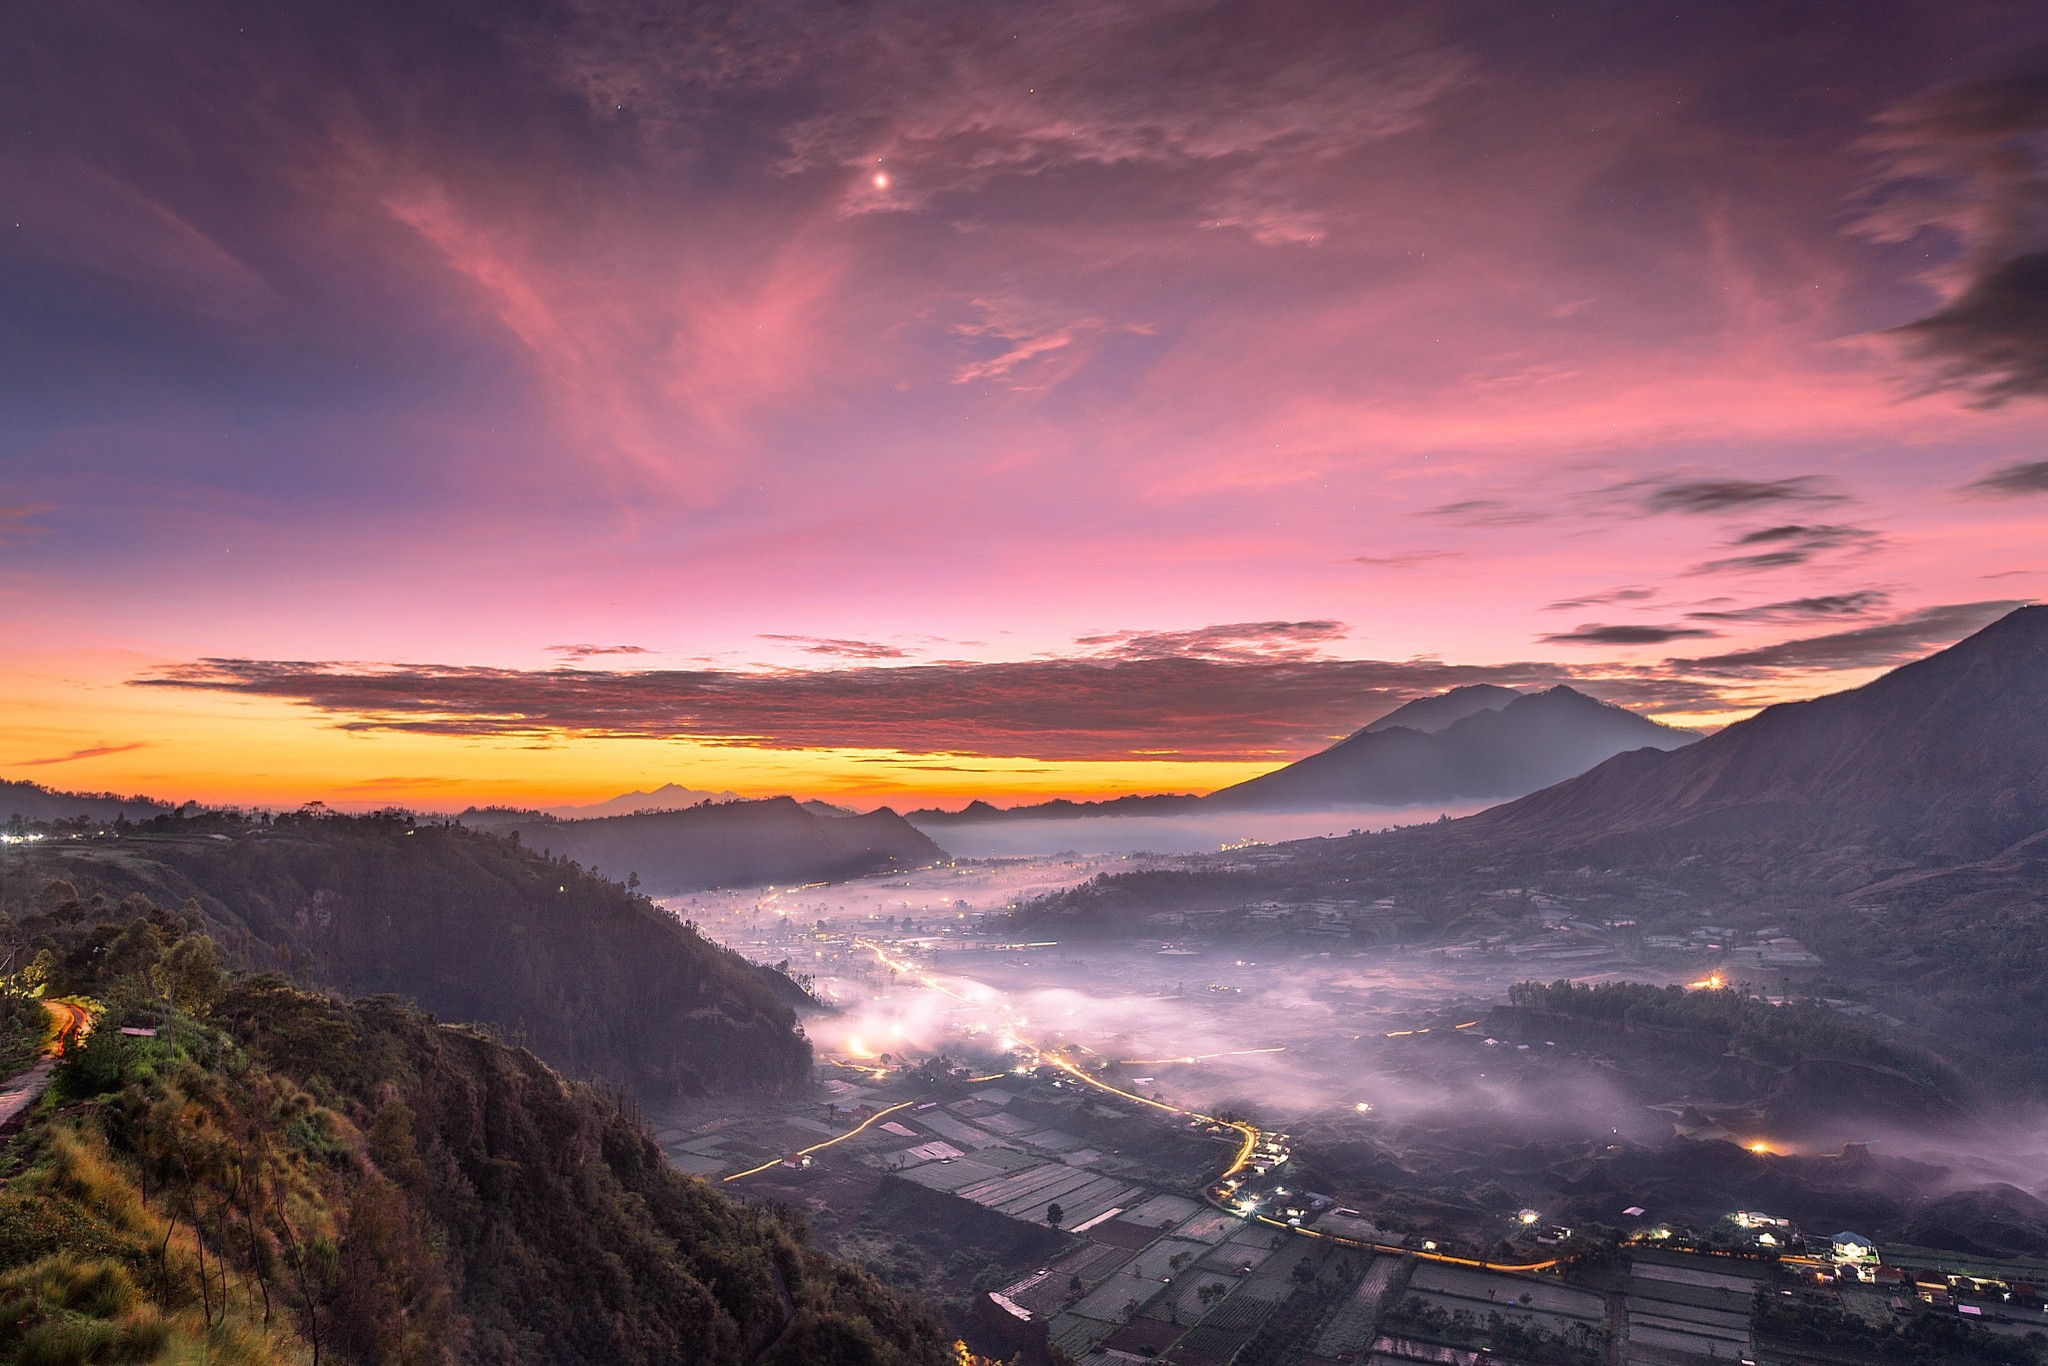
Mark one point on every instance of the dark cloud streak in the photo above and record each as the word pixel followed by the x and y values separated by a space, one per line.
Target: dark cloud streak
pixel 1965 158
pixel 1823 606
pixel 1597 634
pixel 1707 497
pixel 2018 480
pixel 1065 709
pixel 1866 647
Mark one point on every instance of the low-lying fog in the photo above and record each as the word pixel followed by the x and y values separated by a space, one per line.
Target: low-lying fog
pixel 1186 834
pixel 1334 1037
pixel 1281 1033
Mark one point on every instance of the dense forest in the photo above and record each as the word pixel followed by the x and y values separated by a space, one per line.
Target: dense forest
pixel 1741 1023
pixel 470 926
pixel 275 1175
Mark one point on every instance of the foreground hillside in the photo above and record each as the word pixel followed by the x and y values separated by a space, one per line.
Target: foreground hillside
pixel 277 1176
pixel 595 979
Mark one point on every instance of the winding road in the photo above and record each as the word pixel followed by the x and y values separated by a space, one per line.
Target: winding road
pixel 68 1023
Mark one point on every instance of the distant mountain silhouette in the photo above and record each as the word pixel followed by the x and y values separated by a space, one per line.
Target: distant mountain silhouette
pixel 1497 748
pixel 723 844
pixel 667 797
pixel 1432 714
pixel 1944 757
pixel 979 812
pixel 33 802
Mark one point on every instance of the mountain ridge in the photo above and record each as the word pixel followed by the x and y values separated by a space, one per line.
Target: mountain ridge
pixel 1931 756
pixel 1526 744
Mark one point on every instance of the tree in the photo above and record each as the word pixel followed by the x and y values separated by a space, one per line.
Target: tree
pixel 188 976
pixel 1054 1214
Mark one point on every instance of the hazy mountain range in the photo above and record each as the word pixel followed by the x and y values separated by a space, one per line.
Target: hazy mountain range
pixel 723 844
pixel 667 797
pixel 21 801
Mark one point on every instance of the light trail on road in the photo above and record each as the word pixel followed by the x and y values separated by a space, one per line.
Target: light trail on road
pixel 70 1022
pixel 874 1118
pixel 1200 1057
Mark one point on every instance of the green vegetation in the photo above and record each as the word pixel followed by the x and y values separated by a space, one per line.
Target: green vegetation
pixel 594 977
pixel 1777 1035
pixel 23 1026
pixel 1418 1318
pixel 280 1176
pixel 1921 1339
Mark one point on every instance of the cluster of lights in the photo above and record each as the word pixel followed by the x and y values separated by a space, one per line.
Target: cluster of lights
pixel 33 837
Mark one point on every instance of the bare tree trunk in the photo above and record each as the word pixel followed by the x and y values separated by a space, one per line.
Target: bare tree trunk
pixel 298 1263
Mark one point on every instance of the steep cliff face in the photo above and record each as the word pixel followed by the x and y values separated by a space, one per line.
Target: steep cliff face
pixel 568 1235
pixel 296 1180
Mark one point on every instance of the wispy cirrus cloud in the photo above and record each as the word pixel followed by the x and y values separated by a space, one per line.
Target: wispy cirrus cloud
pixel 580 652
pixel 1612 597
pixel 1408 559
pixel 1241 641
pixel 841 649
pixel 91 752
pixel 1028 348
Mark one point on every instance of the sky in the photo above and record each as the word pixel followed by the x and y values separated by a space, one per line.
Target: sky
pixel 451 403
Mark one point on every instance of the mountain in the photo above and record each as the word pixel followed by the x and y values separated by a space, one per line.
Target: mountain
pixel 667 797
pixel 32 802
pixel 1496 749
pixel 725 844
pixel 979 812
pixel 1944 758
pixel 277 1176
pixel 597 980
pixel 1432 714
